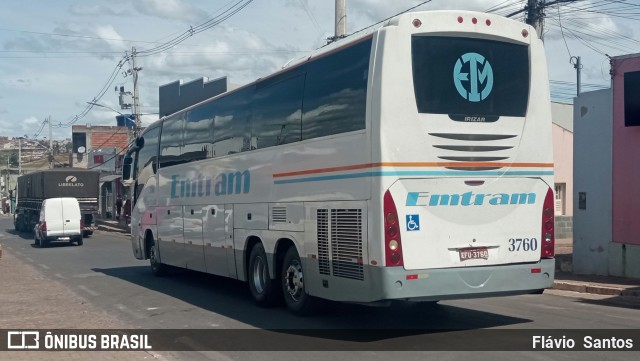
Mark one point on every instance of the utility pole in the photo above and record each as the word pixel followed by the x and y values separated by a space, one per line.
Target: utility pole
pixel 535 12
pixel 50 143
pixel 577 64
pixel 136 95
pixel 341 19
pixel 535 15
pixel 20 156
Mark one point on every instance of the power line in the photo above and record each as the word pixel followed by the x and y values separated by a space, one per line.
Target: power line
pixel 234 9
pixel 77 36
pixel 310 14
pixel 173 53
pixel 97 98
pixel 390 17
pixel 229 12
pixel 562 31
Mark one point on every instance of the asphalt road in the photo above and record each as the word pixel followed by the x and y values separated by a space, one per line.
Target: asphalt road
pixel 104 272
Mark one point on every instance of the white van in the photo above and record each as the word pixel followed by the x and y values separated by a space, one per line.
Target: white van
pixel 60 220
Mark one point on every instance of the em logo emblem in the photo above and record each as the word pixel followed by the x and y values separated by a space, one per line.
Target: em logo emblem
pixel 476 85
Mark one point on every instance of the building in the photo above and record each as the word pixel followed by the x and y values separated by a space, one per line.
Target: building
pixel 562 115
pixel 607 151
pixel 102 147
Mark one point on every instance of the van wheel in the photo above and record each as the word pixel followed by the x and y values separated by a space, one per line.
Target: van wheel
pixel 79 241
pixel 263 288
pixel 295 295
pixel 36 240
pixel 157 268
pixel 44 242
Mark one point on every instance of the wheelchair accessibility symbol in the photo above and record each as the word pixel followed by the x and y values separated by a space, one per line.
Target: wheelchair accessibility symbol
pixel 413 222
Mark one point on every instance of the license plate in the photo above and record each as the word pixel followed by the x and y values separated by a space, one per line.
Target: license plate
pixel 474 253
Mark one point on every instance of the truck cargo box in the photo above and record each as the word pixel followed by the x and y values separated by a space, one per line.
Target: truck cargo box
pixel 78 183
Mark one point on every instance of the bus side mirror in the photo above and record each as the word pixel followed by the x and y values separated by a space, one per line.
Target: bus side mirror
pixel 126 167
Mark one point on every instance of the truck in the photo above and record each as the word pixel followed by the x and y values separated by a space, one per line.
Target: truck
pixel 34 188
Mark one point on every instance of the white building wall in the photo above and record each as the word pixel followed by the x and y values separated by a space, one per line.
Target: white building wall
pixel 592 176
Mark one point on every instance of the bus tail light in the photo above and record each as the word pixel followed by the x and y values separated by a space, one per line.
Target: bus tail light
pixel 392 241
pixel 548 227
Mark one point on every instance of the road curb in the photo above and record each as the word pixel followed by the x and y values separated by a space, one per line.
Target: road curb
pixel 595 289
pixel 106 228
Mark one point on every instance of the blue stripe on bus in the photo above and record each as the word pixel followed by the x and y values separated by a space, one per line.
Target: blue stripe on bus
pixel 413 174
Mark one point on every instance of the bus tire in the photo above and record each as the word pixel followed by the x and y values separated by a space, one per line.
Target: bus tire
pixel 292 280
pixel 263 289
pixel 18 223
pixel 157 267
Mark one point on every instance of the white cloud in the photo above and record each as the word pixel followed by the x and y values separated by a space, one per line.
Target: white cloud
pixel 31 121
pixel 230 51
pixel 94 10
pixel 16 82
pixel 111 37
pixel 170 9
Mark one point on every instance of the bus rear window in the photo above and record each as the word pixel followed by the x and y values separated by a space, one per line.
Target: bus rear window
pixel 470 78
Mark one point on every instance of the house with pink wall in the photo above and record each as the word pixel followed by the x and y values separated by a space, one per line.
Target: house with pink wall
pixel 562 116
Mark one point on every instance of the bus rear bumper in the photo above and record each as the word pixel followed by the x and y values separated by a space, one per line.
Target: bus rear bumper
pixel 459 283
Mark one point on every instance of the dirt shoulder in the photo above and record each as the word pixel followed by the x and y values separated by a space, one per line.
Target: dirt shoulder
pixel 30 300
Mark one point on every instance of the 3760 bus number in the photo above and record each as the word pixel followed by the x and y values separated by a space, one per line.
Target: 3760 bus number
pixel 525 244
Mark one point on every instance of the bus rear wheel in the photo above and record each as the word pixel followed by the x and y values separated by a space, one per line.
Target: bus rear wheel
pixel 263 288
pixel 295 295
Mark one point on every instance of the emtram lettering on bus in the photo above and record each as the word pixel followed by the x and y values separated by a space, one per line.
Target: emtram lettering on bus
pixel 204 186
pixel 468 199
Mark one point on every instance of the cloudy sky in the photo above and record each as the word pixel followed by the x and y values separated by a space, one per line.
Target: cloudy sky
pixel 55 56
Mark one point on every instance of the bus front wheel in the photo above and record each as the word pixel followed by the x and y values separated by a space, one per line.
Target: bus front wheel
pixel 292 278
pixel 157 268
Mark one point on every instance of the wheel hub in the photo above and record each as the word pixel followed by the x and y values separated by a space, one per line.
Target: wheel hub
pixel 294 281
pixel 153 256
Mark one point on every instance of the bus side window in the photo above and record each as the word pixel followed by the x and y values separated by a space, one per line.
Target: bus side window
pixel 231 128
pixel 335 92
pixel 276 112
pixel 198 132
pixel 171 141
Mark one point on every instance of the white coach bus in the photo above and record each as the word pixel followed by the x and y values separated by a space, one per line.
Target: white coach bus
pixel 413 162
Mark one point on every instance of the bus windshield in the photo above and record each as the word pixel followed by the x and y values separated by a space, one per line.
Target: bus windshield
pixel 465 77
